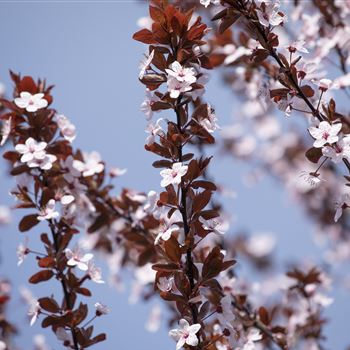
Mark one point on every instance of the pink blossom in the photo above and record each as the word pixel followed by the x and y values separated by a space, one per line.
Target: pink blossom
pixel 22 251
pixel 145 64
pixel 342 204
pixel 5 215
pixel 91 164
pixel 5 131
pixel 94 272
pixel 338 151
pixel 31 102
pixel 186 334
pixel 101 309
pixel 153 130
pixel 67 129
pixel 181 74
pixel 176 87
pixel 77 258
pixel 34 310
pixel 270 15
pixel 173 175
pixel 325 133
pixel 31 149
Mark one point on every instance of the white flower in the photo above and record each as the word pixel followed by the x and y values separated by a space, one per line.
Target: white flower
pixel 165 284
pixel 181 74
pixel 214 225
pixel 180 79
pixel 116 172
pixel 44 163
pixel 94 272
pixel 325 133
pixel 67 129
pixel 209 123
pixel 77 258
pixel 48 212
pixel 22 251
pixel 71 173
pixel 166 229
pixel 176 87
pixel 5 216
pixel 151 204
pixel 146 105
pixel 5 131
pixel 260 245
pixel 226 315
pixel 31 102
pixel 186 334
pixel 31 149
pixel 3 345
pixel 91 164
pixel 153 130
pixel 64 336
pixel 173 175
pixel 145 64
pixel 298 46
pixel 253 336
pixel 233 53
pixel 271 15
pixel 34 310
pixel 325 84
pixel 154 320
pixel 101 309
pixel 338 151
pixel 342 204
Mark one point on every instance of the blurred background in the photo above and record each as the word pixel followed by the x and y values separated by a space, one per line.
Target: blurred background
pixel 85 49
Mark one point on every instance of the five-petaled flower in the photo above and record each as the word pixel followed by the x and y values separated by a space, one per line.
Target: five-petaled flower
pixel 269 15
pixel 77 258
pixel 166 228
pixel 186 334
pixel 325 133
pixel 94 272
pixel 181 73
pixel 91 164
pixel 215 225
pixel 173 175
pixel 180 79
pixel 31 102
pixel 153 130
pixel 31 149
pixel 338 151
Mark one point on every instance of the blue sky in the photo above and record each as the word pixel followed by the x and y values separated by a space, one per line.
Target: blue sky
pixel 86 50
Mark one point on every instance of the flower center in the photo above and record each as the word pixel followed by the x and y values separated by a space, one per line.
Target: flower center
pixel 325 135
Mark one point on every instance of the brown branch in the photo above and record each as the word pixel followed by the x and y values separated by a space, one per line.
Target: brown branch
pixel 183 211
pixel 63 284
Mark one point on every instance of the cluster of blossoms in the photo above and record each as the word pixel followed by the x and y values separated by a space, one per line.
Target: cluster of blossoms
pixel 51 181
pixel 174 239
pixel 284 66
